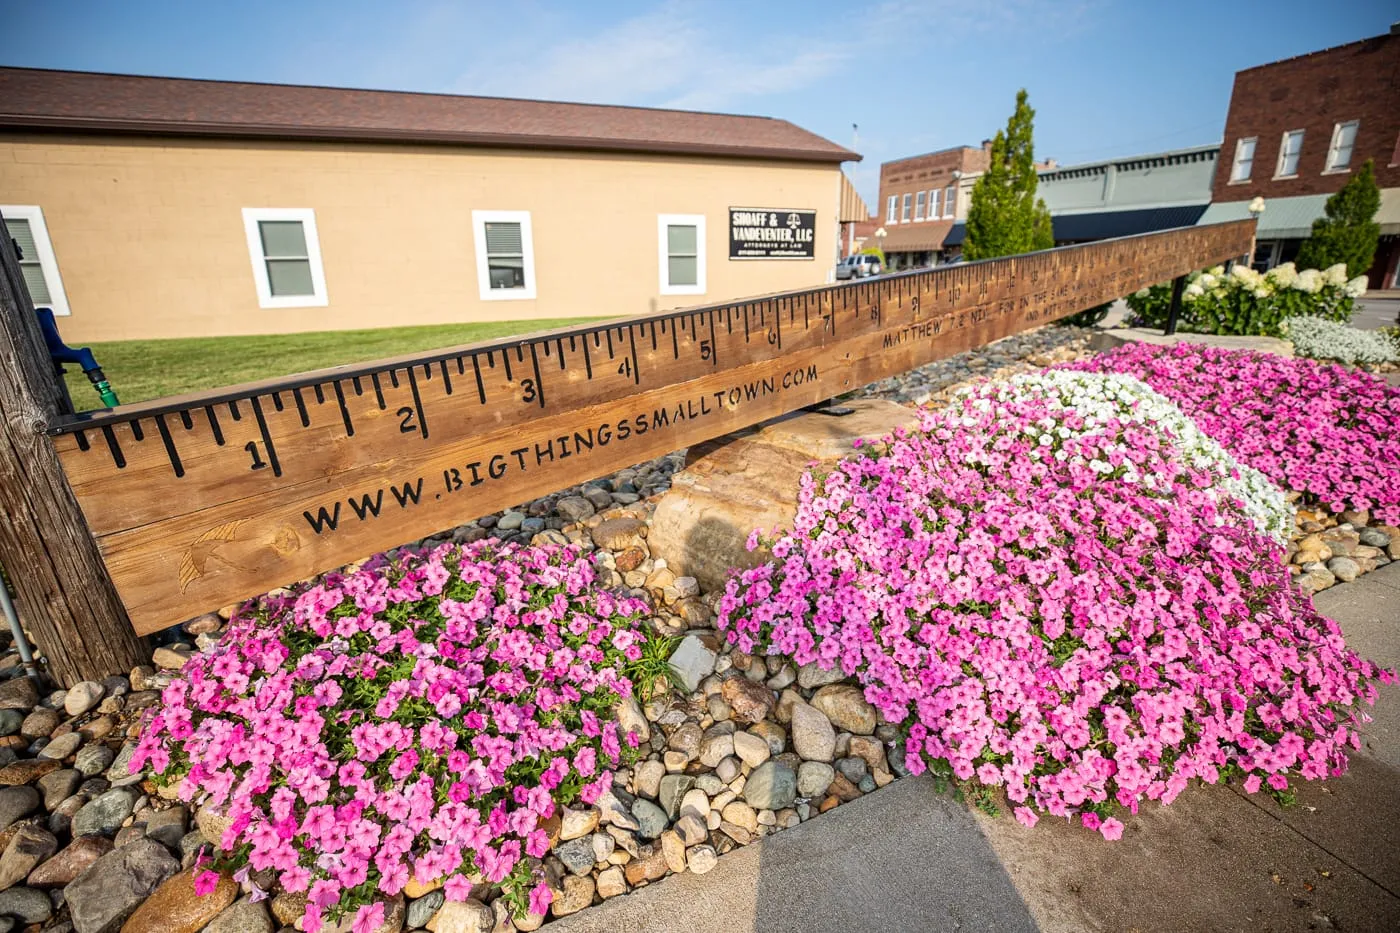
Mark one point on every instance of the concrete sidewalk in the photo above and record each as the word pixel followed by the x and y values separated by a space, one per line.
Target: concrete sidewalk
pixel 909 859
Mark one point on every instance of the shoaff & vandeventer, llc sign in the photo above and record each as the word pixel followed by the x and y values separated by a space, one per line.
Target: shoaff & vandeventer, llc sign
pixel 772 233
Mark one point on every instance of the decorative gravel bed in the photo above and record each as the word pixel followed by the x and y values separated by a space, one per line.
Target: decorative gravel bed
pixel 741 747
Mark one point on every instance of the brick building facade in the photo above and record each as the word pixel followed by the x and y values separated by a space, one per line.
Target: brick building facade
pixel 1295 132
pixel 920 198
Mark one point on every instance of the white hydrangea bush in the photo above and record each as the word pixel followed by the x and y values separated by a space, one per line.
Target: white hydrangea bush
pixel 1244 301
pixel 1320 339
pixel 1098 398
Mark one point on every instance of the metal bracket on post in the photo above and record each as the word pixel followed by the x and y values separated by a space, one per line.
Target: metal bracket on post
pixel 1174 311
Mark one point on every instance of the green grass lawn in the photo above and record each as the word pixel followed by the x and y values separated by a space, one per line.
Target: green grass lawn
pixel 145 369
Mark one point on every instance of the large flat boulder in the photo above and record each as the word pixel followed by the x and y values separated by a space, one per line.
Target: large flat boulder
pixel 750 479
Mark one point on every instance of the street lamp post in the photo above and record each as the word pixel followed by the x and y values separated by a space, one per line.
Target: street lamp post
pixel 880 235
pixel 1256 207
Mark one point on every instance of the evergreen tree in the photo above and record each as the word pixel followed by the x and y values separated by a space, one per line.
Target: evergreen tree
pixel 1005 217
pixel 1349 232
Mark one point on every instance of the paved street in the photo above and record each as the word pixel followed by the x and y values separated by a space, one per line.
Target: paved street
pixel 908 858
pixel 1372 312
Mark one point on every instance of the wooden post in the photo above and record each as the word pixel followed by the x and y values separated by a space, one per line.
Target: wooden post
pixel 64 596
pixel 1174 311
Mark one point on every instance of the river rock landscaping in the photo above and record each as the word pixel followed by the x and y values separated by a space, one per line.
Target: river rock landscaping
pixel 319 735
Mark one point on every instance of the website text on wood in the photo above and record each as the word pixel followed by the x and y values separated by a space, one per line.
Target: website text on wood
pixel 199 501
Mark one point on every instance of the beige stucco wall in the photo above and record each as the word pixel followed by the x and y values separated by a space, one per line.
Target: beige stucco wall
pixel 149 237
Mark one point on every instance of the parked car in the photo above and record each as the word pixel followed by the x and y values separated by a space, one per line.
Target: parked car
pixel 858 266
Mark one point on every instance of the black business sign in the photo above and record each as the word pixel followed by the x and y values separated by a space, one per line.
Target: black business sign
pixel 772 233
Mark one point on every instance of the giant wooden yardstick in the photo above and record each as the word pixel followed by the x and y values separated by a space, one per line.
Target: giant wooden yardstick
pixel 202 500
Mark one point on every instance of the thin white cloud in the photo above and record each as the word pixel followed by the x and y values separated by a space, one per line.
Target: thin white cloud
pixel 684 55
pixel 669 56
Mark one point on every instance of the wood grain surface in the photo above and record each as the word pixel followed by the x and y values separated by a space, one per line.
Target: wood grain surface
pixel 202 500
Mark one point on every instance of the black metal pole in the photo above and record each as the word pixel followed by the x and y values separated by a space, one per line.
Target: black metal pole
pixel 1174 311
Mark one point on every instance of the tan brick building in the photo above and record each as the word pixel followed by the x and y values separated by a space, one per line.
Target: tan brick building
pixel 157 207
pixel 1297 129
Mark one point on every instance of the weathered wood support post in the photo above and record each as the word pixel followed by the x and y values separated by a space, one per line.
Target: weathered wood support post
pixel 1174 310
pixel 62 590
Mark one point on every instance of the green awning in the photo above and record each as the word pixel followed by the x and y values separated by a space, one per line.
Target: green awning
pixel 1283 218
pixel 1291 218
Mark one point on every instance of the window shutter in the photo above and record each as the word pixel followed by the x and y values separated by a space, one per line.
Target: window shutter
pixel 504 239
pixel 20 231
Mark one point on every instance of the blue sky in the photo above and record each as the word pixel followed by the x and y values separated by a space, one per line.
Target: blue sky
pixel 1107 77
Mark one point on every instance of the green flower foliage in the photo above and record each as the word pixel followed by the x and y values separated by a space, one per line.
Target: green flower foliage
pixel 1249 303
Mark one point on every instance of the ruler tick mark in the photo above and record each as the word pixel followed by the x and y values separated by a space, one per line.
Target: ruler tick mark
pixel 344 412
pixel 417 402
pixel 110 436
pixel 446 379
pixel 301 408
pixel 214 425
pixel 136 431
pixel 539 382
pixel 267 438
pixel 480 388
pixel 169 446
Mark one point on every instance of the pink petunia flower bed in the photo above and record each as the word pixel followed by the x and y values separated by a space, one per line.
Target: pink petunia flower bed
pixel 418 718
pixel 1326 431
pixel 1059 588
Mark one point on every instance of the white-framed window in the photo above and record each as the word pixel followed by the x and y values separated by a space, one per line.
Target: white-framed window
pixel 1343 142
pixel 286 256
pixel 1243 166
pixel 24 223
pixel 950 200
pixel 891 207
pixel 1288 152
pixel 934 197
pixel 904 211
pixel 681 253
pixel 505 255
pixel 919 206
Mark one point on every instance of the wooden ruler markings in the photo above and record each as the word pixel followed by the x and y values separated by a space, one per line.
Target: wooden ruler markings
pixel 201 500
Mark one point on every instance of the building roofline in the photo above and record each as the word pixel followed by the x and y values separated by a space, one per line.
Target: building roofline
pixel 822 150
pixel 352 134
pixel 1120 160
pixel 1326 51
pixel 926 154
pixel 380 90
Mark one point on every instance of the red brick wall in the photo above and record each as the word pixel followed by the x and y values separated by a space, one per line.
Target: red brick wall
pixel 924 173
pixel 1358 81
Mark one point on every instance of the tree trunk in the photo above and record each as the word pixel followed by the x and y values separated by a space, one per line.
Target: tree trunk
pixel 62 591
